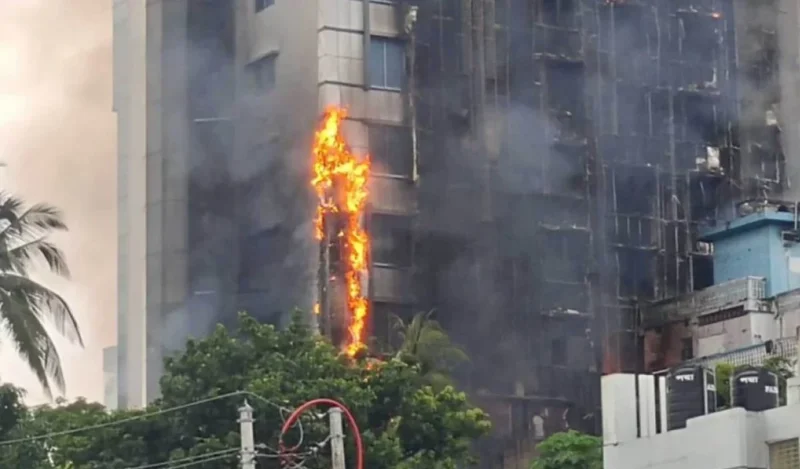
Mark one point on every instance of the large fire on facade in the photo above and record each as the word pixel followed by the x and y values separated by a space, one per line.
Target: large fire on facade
pixel 340 182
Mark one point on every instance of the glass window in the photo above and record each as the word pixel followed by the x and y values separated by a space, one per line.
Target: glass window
pixel 390 149
pixel 391 240
pixel 263 4
pixel 263 72
pixel 386 63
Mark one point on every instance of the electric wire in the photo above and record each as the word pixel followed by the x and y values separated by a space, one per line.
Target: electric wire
pixel 196 459
pixel 225 452
pixel 143 416
pixel 202 461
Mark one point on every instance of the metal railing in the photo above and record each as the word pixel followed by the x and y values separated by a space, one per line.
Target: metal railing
pixel 748 292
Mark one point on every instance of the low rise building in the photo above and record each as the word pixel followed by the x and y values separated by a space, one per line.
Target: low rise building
pixel 735 438
pixel 754 303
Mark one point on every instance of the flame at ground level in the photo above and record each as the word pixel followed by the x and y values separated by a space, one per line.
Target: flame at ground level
pixel 340 182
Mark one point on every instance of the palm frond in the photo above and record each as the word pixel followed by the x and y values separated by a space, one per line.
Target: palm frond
pixel 44 303
pixel 31 340
pixel 25 304
pixel 424 340
pixel 18 258
pixel 17 223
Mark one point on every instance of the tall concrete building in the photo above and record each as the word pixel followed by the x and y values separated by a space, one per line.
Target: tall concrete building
pixel 110 363
pixel 217 102
pixel 542 173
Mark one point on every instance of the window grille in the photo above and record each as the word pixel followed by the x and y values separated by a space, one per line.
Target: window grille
pixel 784 455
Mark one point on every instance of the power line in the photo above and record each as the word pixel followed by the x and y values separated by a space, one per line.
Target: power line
pixel 201 461
pixel 215 454
pixel 135 418
pixel 197 459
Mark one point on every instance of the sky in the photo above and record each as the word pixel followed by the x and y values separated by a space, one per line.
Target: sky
pixel 58 140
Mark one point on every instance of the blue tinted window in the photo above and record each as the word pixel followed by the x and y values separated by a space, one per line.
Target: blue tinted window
pixel 386 63
pixel 377 64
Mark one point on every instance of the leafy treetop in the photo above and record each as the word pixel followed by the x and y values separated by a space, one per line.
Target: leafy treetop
pixel 569 450
pixel 405 423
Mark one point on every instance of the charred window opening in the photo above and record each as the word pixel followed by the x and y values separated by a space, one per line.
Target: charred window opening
pixel 700 37
pixel 696 119
pixel 660 124
pixel 563 80
pixel 263 71
pixel 687 348
pixel 390 150
pixel 703 267
pixel 559 297
pixel 630 24
pixel 636 273
pixel 632 104
pixel 502 58
pixel 448 53
pixel 387 63
pixel 556 42
pixel 391 240
pixel 557 211
pixel 635 231
pixel 632 190
pixel 558 351
pixel 565 254
pixel 560 13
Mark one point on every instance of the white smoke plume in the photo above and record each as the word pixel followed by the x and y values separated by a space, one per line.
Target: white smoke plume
pixel 57 137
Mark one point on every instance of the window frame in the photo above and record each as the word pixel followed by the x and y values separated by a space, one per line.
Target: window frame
pixel 261 5
pixel 381 150
pixel 397 226
pixel 783 454
pixel 257 68
pixel 384 42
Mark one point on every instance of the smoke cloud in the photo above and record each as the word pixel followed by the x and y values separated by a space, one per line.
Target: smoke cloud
pixel 57 137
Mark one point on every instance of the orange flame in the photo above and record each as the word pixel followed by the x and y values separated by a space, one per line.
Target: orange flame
pixel 340 182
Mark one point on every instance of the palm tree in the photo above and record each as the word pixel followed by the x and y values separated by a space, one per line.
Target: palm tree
pixel 426 342
pixel 25 305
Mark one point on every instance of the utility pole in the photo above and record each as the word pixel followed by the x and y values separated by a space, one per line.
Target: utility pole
pixel 337 438
pixel 248 452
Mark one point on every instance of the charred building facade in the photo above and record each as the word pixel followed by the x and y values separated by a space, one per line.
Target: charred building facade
pixel 570 152
pixel 541 171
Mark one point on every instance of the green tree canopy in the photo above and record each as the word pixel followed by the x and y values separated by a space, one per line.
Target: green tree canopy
pixel 404 422
pixel 569 450
pixel 25 305
pixel 425 343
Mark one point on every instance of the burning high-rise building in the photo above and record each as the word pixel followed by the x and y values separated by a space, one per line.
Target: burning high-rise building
pixel 225 154
pixel 538 173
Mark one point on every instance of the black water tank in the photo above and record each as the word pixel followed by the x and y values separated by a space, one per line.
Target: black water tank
pixel 755 389
pixel 691 392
